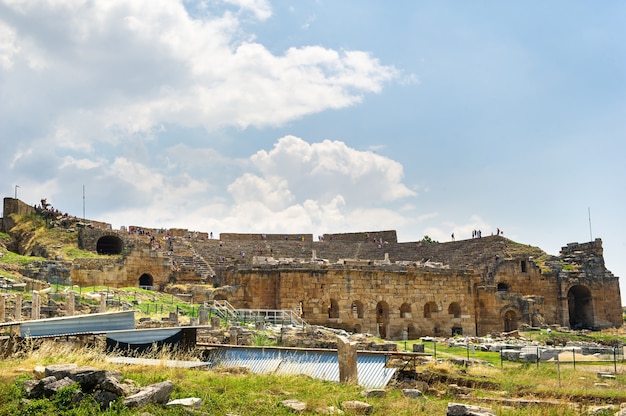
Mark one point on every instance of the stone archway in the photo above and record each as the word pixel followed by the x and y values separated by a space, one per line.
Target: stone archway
pixel 454 309
pixel 510 321
pixel 405 311
pixel 109 244
pixel 382 318
pixel 357 309
pixel 333 309
pixel 429 309
pixel 580 307
pixel 146 281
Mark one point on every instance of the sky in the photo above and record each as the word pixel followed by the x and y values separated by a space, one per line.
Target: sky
pixel 322 116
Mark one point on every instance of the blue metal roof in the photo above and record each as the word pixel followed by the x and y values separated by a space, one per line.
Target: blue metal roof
pixel 371 370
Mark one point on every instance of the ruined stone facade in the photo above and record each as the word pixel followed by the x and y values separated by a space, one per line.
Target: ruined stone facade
pixel 368 282
pixel 363 282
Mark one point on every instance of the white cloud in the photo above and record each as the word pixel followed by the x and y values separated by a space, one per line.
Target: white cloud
pixel 100 71
pixel 330 168
pixel 261 9
pixel 283 190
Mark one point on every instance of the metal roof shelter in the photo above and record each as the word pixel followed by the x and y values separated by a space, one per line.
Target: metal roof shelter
pixel 79 324
pixel 322 364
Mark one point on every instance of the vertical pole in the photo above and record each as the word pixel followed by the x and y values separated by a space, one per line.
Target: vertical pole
pixel 537 357
pixel 615 360
pixel 574 357
pixel 589 213
pixel 435 349
pixel 558 366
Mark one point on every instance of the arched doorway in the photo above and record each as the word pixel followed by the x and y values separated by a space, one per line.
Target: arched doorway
pixel 510 321
pixel 109 244
pixel 146 281
pixel 580 307
pixel 333 309
pixel 382 318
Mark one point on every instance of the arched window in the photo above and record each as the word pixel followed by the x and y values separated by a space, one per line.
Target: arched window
pixel 429 309
pixel 455 310
pixel 405 311
pixel 357 309
pixel 503 287
pixel 333 309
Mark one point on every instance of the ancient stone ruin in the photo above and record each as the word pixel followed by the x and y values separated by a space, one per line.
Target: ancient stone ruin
pixel 360 282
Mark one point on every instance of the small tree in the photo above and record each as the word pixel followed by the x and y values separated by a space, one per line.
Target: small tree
pixel 427 239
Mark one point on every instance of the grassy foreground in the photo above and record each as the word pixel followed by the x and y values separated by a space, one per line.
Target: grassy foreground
pixel 226 391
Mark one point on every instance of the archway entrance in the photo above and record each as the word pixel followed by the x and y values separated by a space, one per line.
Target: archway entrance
pixel 382 318
pixel 109 244
pixel 146 281
pixel 580 307
pixel 510 321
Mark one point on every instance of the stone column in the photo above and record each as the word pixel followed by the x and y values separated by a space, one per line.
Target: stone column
pixel 3 304
pixel 233 336
pixel 346 355
pixel 69 306
pixel 34 306
pixel 203 315
pixel 103 302
pixel 216 322
pixel 18 307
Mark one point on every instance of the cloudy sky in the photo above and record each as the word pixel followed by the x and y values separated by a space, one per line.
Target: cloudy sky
pixel 320 116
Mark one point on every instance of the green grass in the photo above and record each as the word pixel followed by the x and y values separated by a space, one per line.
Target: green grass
pixel 238 392
pixel 9 257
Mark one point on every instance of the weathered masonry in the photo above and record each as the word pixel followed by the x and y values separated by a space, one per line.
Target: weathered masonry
pixel 363 282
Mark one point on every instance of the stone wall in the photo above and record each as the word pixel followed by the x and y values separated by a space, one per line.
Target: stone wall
pixel 355 282
pixel 367 236
pixel 13 206
pixel 367 299
pixel 239 237
pixel 123 272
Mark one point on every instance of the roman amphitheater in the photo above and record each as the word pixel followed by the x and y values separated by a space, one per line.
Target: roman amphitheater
pixel 360 282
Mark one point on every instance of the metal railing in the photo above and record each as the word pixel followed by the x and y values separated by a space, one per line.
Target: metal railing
pixel 225 310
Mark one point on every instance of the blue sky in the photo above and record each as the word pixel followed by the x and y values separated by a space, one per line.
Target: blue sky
pixel 322 116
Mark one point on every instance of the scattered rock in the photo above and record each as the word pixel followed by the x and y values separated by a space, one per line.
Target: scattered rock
pixel 295 405
pixel 190 402
pixel 457 390
pixel 330 410
pixel 106 386
pixel 374 393
pixel 154 393
pixel 459 409
pixel 412 393
pixel 601 410
pixel 50 389
pixel 357 407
